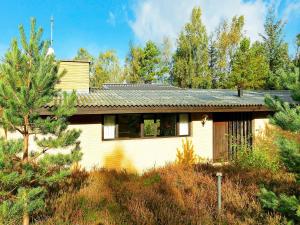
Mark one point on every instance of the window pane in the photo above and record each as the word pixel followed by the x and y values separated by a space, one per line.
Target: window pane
pixel 109 127
pixel 167 124
pixel 129 126
pixel 149 126
pixel 183 124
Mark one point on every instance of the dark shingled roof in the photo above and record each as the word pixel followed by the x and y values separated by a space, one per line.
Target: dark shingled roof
pixel 117 86
pixel 179 97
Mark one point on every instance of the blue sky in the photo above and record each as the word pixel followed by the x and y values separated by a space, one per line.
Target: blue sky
pixel 99 25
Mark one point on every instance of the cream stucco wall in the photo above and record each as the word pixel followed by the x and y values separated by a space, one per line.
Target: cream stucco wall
pixel 137 154
pixel 140 154
pixel 260 125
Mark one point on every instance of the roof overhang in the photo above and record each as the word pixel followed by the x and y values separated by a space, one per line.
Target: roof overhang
pixel 163 109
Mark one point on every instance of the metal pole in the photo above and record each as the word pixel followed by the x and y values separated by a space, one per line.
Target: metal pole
pixel 219 176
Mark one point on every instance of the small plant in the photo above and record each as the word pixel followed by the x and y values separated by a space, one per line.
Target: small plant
pixel 186 155
pixel 287 205
pixel 257 158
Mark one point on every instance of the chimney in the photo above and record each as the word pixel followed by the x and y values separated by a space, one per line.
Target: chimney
pixel 240 91
pixel 76 77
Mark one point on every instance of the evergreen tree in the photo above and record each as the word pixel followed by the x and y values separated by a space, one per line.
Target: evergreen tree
pixel 276 50
pixel 212 63
pixel 28 84
pixel 151 69
pixel 249 67
pixel 190 61
pixel 144 64
pixel 287 117
pixel 166 60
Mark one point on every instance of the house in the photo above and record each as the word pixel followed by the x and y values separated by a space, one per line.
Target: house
pixel 140 126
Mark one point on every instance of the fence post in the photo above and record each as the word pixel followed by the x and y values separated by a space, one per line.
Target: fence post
pixel 219 189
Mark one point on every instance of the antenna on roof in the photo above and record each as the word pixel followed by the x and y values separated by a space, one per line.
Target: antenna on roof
pixel 51 24
pixel 50 49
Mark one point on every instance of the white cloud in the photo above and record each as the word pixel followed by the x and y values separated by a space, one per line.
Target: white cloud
pixel 155 19
pixel 111 18
pixel 292 9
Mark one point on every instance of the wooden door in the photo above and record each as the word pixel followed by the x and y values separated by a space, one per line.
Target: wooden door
pixel 220 140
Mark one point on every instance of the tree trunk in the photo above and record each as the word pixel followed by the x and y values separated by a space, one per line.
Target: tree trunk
pixel 25 147
pixel 26 139
pixel 26 218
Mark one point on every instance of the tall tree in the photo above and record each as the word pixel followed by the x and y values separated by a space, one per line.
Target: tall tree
pixel 212 62
pixel 83 54
pixel 133 68
pixel 28 84
pixel 166 60
pixel 276 49
pixel 144 64
pixel 249 67
pixel 190 61
pixel 151 63
pixel 107 69
pixel 227 43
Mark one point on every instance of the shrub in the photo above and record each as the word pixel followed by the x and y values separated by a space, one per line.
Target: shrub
pixel 287 205
pixel 257 158
pixel 173 195
pixel 186 155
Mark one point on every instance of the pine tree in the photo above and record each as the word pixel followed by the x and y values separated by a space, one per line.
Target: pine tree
pixel 28 84
pixel 144 64
pixel 276 50
pixel 190 61
pixel 287 117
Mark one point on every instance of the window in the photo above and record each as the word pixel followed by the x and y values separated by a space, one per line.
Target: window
pixel 183 124
pixel 129 126
pixel 145 125
pixel 166 125
pixel 109 127
pixel 150 126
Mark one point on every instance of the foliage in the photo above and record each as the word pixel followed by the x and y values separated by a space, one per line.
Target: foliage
pixel 257 158
pixel 276 50
pixel 287 117
pixel 145 64
pixel 186 155
pixel 287 205
pixel 190 61
pixel 169 195
pixel 28 84
pixel 133 64
pixel 107 69
pixel 228 38
pixel 249 67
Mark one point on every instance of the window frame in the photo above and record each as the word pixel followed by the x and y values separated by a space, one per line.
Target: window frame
pixel 142 136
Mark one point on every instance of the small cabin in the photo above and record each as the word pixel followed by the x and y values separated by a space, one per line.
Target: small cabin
pixel 140 126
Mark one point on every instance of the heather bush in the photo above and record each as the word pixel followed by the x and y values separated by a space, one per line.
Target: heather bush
pixel 173 194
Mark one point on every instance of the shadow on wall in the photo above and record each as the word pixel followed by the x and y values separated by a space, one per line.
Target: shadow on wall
pixel 117 160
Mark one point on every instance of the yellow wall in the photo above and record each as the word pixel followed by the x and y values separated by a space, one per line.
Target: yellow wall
pixel 76 77
pixel 142 154
pixel 139 154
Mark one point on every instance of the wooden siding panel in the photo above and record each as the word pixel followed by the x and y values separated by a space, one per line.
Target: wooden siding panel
pixel 76 77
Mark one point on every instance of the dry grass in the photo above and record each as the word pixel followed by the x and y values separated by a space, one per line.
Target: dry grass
pixel 170 195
